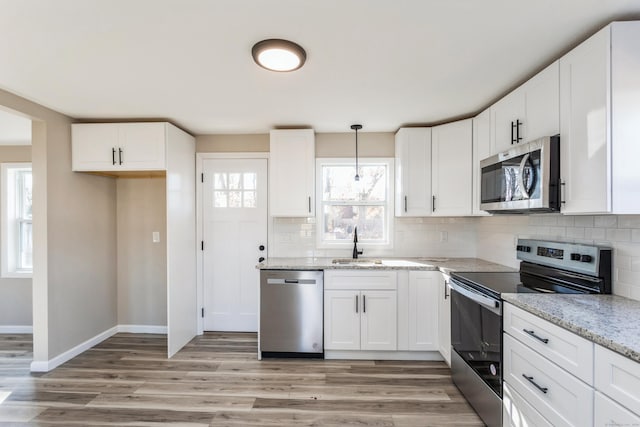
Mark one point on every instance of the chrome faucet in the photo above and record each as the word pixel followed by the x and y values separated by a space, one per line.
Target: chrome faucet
pixel 356 252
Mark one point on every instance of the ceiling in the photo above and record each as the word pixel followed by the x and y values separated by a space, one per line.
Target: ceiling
pixel 14 129
pixel 382 63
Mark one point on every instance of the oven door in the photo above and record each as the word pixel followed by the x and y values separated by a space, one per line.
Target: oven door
pixel 476 333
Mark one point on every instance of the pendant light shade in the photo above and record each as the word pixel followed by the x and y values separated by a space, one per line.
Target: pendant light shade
pixel 278 55
pixel 356 128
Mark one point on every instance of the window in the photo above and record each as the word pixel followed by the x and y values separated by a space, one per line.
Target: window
pixel 17 234
pixel 234 190
pixel 346 203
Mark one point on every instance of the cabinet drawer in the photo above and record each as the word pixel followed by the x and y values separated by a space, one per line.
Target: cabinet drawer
pixel 516 411
pixel 618 377
pixel 360 279
pixel 564 348
pixel 609 413
pixel 564 399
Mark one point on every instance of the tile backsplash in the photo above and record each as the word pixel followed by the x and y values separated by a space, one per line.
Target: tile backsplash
pixel 490 238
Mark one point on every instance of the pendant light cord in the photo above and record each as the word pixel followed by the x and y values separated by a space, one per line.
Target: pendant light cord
pixel 356 127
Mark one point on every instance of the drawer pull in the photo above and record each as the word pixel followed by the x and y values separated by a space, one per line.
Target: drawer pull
pixel 533 334
pixel 530 379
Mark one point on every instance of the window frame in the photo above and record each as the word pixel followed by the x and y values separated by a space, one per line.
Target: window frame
pixel 10 222
pixel 388 204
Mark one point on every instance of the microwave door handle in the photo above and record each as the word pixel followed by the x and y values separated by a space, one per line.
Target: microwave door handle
pixel 523 164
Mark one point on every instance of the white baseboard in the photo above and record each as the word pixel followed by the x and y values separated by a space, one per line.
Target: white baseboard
pixel 382 355
pixel 46 366
pixel 16 329
pixel 143 329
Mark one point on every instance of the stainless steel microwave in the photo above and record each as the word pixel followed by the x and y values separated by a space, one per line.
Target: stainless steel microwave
pixel 524 179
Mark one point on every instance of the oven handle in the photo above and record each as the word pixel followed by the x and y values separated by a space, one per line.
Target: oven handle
pixel 484 301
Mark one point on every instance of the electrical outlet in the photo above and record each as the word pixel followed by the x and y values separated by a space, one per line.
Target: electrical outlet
pixel 155 237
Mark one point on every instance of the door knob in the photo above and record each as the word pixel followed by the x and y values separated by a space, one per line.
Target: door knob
pixel 261 247
pixel 261 259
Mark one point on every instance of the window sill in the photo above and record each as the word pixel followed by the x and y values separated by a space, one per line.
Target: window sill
pixel 17 276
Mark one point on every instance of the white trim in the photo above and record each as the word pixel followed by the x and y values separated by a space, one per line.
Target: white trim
pixel 383 355
pixel 200 157
pixel 142 329
pixel 46 366
pixel 16 329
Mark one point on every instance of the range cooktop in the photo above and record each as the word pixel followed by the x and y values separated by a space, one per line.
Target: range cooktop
pixel 492 282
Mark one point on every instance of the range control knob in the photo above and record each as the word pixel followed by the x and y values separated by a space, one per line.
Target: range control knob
pixel 586 258
pixel 575 257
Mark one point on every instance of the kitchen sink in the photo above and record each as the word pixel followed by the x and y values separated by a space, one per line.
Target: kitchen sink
pixel 362 262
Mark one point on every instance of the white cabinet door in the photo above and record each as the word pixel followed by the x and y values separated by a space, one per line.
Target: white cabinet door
pixel 507 120
pixel 542 104
pixel 451 168
pixel 609 413
pixel 143 146
pixel 618 377
pixel 423 310
pixel 94 146
pixel 342 320
pixel 481 150
pixel 413 172
pixel 444 318
pixel 292 173
pixel 106 147
pixel 584 122
pixel 378 320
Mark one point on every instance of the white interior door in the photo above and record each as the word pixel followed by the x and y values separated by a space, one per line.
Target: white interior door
pixel 234 225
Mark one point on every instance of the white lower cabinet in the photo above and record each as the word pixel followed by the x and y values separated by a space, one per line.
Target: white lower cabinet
pixel 360 310
pixel 563 399
pixel 554 377
pixel 608 413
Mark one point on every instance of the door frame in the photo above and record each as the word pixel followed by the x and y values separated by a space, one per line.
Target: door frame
pixel 200 157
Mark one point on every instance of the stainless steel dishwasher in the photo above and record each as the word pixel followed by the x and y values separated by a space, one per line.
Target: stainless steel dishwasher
pixel 291 313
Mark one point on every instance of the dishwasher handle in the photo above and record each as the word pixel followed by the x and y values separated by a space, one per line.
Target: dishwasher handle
pixel 278 281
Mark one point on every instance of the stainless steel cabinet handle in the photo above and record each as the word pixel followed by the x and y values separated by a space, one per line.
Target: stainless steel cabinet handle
pixel 356 303
pixel 113 156
pixel 405 203
pixel 309 204
pixel 120 154
pixel 533 334
pixel 536 385
pixel 364 303
pixel 446 287
pixel 433 203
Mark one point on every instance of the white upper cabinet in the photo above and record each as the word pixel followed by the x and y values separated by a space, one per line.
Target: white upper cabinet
pixel 529 112
pixel 600 129
pixel 115 147
pixel 451 147
pixel 481 150
pixel 292 173
pixel 413 172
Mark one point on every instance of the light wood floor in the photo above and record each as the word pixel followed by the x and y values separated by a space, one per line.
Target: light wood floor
pixel 217 380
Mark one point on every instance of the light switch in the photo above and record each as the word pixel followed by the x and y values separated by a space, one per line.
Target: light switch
pixel 155 236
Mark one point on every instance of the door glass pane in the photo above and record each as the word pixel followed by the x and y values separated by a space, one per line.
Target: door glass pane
pixel 235 182
pixel 220 199
pixel 250 181
pixel 235 199
pixel 249 199
pixel 220 181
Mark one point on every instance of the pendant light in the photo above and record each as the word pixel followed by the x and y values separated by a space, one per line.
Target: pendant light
pixel 356 128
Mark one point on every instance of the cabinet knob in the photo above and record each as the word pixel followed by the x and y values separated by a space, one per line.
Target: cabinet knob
pixel 261 259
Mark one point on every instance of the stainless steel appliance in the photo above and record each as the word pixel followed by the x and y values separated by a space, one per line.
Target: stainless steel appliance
pixel 526 178
pixel 476 311
pixel 291 313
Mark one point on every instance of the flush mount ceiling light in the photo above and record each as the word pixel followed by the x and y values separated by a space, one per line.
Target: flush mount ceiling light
pixel 278 55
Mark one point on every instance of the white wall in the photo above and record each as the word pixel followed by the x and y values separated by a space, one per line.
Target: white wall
pixel 496 240
pixel 15 294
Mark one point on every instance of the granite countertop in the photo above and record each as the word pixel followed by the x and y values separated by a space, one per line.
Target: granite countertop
pixel 446 265
pixel 608 320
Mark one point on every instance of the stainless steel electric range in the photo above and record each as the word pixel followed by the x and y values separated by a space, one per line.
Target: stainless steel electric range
pixel 476 311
